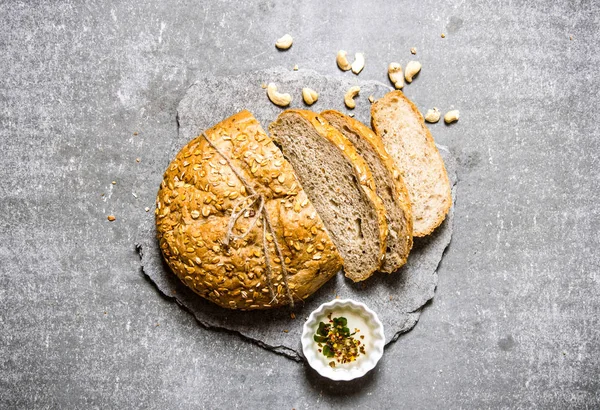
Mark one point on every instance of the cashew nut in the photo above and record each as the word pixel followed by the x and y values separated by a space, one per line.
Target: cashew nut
pixel 282 100
pixel 395 74
pixel 359 63
pixel 342 61
pixel 451 116
pixel 432 115
pixel 309 96
pixel 284 42
pixel 412 69
pixel 349 96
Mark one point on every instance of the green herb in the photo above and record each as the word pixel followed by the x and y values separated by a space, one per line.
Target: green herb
pixel 337 342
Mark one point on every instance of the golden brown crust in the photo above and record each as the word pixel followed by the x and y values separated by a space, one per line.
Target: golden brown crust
pixel 420 228
pixel 194 207
pixel 401 193
pixel 363 173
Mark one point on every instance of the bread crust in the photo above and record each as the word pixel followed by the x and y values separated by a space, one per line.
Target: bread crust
pixel 421 227
pixel 401 193
pixel 194 206
pixel 363 174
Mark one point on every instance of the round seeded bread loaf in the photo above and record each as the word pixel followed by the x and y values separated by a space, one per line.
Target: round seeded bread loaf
pixel 214 175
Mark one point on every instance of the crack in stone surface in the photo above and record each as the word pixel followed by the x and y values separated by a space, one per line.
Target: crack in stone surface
pixel 398 298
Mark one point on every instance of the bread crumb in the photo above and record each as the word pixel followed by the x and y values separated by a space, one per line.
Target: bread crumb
pixel 413 50
pixel 135 133
pixel 263 85
pixel 292 315
pixel 371 99
pixel 114 182
pixel 138 159
pixel 443 35
pixel 571 38
pixel 296 67
pixel 286 331
pixel 147 209
pixel 390 297
pixel 111 217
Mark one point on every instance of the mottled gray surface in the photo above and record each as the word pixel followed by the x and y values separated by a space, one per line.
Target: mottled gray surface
pixel 515 319
pixel 397 298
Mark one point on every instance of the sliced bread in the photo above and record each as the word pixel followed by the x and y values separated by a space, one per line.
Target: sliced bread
pixel 388 184
pixel 400 125
pixel 340 186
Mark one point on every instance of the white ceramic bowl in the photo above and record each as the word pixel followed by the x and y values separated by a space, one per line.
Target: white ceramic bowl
pixel 359 316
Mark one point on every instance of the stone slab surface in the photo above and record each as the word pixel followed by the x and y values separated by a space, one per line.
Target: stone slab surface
pixel 397 298
pixel 86 87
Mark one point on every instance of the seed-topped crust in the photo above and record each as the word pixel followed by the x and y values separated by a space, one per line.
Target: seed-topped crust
pixel 194 206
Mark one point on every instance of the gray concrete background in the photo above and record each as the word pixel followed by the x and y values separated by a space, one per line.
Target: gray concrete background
pixel 514 322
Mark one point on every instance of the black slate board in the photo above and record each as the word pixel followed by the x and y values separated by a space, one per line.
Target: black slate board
pixel 397 298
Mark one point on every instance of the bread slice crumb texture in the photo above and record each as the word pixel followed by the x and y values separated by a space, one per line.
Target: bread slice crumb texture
pixel 340 186
pixel 389 186
pixel 399 124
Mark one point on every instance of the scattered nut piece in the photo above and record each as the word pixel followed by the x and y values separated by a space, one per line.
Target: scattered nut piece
pixel 359 63
pixel 413 50
pixel 349 96
pixel 351 115
pixel 451 116
pixel 147 209
pixel 443 35
pixel 114 182
pixel 263 85
pixel 342 61
pixel 395 74
pixel 282 100
pixel 111 217
pixel 138 159
pixel 309 96
pixel 284 42
pixel 432 115
pixel 371 99
pixel 296 67
pixel 135 133
pixel 412 69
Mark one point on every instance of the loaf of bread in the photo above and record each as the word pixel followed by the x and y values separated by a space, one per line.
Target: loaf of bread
pixel 340 185
pixel 235 225
pixel 401 127
pixel 388 183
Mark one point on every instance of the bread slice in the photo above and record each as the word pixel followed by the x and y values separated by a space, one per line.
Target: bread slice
pixel 403 132
pixel 340 186
pixel 388 183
